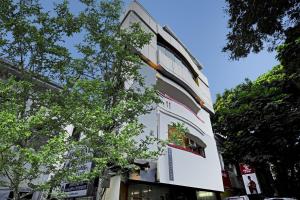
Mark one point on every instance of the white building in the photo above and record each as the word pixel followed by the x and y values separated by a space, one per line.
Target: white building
pixel 186 171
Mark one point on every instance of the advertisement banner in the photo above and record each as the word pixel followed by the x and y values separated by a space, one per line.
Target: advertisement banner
pixel 250 180
pixel 226 179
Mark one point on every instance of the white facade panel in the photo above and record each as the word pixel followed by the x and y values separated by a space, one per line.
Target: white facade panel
pixel 205 116
pixel 169 87
pixel 149 120
pixel 113 192
pixel 176 45
pixel 203 78
pixel 184 114
pixel 184 75
pixel 204 94
pixel 150 51
pixel 190 169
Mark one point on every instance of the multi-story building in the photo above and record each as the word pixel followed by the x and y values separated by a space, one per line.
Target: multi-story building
pixel 190 167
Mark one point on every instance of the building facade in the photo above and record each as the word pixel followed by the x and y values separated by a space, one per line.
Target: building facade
pixel 190 167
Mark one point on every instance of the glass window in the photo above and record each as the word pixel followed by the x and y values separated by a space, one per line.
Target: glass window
pixel 185 142
pixel 175 59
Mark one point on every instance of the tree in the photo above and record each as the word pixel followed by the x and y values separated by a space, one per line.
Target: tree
pixel 266 105
pixel 100 92
pixel 261 121
pixel 177 133
pixel 254 23
pixel 33 140
pixel 109 92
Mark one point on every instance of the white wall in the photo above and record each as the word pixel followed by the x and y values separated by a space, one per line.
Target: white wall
pixel 140 15
pixel 113 192
pixel 148 50
pixel 190 169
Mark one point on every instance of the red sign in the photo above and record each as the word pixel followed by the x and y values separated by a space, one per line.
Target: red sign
pixel 226 179
pixel 246 169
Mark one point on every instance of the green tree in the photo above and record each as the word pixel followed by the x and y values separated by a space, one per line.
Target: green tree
pixel 253 23
pixel 178 133
pixel 261 120
pixel 275 24
pixel 108 91
pixel 33 140
pixel 270 104
pixel 100 92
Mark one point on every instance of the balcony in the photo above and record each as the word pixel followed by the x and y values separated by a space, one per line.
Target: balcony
pixel 182 75
pixel 182 112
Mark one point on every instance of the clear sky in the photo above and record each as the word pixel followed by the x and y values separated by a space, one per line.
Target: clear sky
pixel 202 26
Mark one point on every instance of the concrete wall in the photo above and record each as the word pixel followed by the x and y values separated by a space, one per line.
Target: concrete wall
pixel 190 169
pixel 113 192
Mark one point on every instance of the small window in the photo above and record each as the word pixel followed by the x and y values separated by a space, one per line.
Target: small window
pixel 180 138
pixel 195 147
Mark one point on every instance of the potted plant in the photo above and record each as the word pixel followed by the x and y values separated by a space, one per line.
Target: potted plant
pixel 177 134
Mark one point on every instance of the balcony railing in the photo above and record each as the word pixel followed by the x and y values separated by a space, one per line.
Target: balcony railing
pixel 186 149
pixel 182 73
pixel 182 112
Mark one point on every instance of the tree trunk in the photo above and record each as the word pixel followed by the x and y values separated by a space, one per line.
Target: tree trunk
pixel 282 180
pixel 100 191
pixel 16 193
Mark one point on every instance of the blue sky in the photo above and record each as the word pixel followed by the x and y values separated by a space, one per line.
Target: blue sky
pixel 202 26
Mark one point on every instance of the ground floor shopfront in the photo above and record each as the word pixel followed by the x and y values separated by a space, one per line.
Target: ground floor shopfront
pixel 146 191
pixel 138 190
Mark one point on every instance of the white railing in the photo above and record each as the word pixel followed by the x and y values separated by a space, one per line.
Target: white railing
pixel 183 113
pixel 182 74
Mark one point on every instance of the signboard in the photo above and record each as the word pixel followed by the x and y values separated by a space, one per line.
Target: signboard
pixel 170 159
pixel 78 189
pixel 246 169
pixel 226 179
pixel 250 180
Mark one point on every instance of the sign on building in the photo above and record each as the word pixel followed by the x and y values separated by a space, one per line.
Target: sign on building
pixel 78 189
pixel 81 188
pixel 170 159
pixel 226 179
pixel 250 180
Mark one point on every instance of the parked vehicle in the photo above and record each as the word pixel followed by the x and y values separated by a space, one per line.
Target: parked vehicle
pixel 244 197
pixel 280 198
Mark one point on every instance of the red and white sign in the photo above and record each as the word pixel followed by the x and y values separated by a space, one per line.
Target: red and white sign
pixel 246 169
pixel 250 180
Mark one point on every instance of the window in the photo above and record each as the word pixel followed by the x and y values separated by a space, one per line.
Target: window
pixel 179 138
pixel 195 147
pixel 176 59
